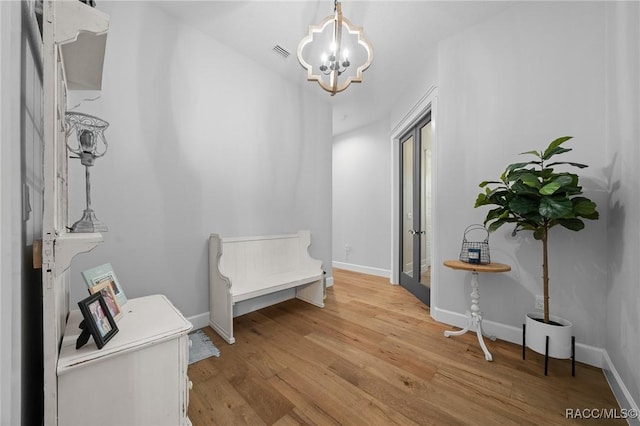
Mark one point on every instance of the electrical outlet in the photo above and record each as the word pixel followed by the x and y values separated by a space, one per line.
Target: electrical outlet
pixel 539 302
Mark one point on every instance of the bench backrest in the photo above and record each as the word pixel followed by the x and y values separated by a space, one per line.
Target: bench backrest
pixel 248 258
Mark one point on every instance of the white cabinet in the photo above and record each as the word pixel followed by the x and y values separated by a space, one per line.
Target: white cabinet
pixel 138 378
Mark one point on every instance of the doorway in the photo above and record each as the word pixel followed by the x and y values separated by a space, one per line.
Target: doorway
pixel 415 224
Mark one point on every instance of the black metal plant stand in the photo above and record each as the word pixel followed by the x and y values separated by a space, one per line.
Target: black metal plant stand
pixel 546 351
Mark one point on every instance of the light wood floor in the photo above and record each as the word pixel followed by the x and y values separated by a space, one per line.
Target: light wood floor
pixel 374 356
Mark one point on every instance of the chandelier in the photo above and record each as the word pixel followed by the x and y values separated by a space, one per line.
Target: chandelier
pixel 332 46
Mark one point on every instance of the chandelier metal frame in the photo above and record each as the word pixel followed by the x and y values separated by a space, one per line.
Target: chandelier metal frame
pixel 333 70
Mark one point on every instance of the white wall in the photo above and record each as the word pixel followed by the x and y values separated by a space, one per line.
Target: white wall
pixel 362 182
pixel 623 177
pixel 509 85
pixel 10 212
pixel 416 89
pixel 202 140
pixel 361 194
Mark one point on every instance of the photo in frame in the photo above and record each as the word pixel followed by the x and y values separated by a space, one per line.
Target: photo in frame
pixel 101 274
pixel 97 320
pixel 106 288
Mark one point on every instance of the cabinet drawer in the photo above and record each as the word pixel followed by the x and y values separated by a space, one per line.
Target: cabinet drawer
pixel 136 388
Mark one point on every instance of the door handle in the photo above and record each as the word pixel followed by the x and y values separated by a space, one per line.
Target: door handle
pixel 414 232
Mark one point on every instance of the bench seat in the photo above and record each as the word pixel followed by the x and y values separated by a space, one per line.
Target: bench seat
pixel 271 283
pixel 243 269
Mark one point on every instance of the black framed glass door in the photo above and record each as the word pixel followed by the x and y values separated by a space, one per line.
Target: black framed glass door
pixel 415 210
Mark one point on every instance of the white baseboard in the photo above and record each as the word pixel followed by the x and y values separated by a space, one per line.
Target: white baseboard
pixel 584 353
pixel 619 389
pixel 363 269
pixel 199 321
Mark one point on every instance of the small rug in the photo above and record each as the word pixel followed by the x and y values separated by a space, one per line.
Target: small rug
pixel 201 347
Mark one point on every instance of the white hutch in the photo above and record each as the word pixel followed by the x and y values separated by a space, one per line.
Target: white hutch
pixel 140 376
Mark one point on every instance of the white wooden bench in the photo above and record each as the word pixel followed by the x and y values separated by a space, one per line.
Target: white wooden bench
pixel 242 269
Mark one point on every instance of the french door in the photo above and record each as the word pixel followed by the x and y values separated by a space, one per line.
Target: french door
pixel 415 210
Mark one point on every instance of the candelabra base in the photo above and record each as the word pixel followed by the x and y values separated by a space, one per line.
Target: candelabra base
pixel 89 223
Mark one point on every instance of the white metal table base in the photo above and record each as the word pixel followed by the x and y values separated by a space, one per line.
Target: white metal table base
pixel 475 319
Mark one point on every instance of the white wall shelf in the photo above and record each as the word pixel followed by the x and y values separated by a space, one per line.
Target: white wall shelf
pixel 69 245
pixel 81 34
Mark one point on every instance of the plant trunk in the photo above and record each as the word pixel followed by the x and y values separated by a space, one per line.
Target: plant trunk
pixel 545 273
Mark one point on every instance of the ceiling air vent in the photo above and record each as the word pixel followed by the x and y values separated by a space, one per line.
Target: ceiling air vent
pixel 281 51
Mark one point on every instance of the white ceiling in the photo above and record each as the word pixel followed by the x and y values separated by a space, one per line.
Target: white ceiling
pixel 401 32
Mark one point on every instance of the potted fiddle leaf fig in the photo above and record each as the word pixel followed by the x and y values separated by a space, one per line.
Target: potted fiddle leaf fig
pixel 535 196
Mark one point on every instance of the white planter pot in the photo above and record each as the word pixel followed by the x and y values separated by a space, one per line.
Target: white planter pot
pixel 559 335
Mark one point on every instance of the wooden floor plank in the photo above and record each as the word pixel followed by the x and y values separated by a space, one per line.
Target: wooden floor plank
pixel 405 401
pixel 374 356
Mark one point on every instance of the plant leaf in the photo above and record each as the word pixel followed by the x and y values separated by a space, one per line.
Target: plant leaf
pixel 488 182
pixel 555 151
pixel 536 153
pixel 523 205
pixel 515 166
pixel 553 145
pixel 550 188
pixel 555 207
pixel 583 206
pixel 538 233
pixel 566 179
pixel 530 179
pixel 521 189
pixel 497 224
pixel 481 200
pixel 572 224
pixel 496 213
pixel 546 173
pixel 592 216
pixel 560 182
pixel 579 165
pixel 524 226
pixel 520 173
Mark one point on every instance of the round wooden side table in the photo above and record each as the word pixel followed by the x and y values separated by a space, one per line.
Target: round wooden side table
pixel 475 316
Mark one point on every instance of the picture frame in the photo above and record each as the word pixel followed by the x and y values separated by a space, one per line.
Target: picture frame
pixel 101 274
pixel 98 319
pixel 106 288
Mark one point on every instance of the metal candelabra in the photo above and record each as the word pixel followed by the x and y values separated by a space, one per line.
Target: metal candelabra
pixel 89 133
